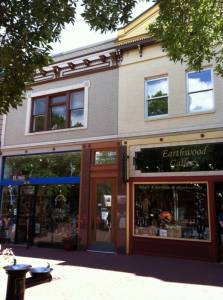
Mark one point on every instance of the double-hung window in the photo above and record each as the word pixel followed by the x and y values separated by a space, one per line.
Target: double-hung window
pixel 59 111
pixel 200 91
pixel 156 97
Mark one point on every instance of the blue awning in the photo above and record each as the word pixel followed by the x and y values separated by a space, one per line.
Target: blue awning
pixel 42 181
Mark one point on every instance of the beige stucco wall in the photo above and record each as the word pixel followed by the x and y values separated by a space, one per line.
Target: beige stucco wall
pixel 102 112
pixel 132 73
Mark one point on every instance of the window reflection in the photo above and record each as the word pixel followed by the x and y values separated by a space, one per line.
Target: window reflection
pixel 58 117
pixel 156 97
pixel 202 101
pixel 77 109
pixel 105 157
pixel 46 165
pixel 77 118
pixel 200 91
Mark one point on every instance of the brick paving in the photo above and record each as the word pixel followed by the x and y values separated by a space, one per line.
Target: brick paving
pixel 97 276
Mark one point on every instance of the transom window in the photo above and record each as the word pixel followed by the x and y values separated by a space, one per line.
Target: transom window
pixel 200 91
pixel 64 110
pixel 156 97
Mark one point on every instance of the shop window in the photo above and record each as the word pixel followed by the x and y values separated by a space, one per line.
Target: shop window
pixel 8 213
pixel 177 211
pixel 200 91
pixel 105 157
pixel 55 112
pixel 156 97
pixel 42 165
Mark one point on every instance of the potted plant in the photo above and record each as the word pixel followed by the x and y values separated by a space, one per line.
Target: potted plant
pixel 70 239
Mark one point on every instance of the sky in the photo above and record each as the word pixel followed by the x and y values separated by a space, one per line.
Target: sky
pixel 79 34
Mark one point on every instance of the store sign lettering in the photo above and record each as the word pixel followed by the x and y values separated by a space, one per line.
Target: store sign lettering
pixel 182 157
pixel 182 152
pixel 204 157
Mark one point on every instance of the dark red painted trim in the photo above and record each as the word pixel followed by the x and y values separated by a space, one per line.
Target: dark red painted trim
pixel 209 178
pixel 177 248
pixel 78 74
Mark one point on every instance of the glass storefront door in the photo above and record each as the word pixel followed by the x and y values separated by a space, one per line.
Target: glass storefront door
pixel 102 215
pixel 26 202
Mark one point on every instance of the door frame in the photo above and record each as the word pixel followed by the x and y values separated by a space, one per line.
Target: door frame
pixel 93 211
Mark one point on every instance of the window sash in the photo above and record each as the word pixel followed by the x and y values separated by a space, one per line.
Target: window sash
pixel 199 91
pixel 48 110
pixel 164 97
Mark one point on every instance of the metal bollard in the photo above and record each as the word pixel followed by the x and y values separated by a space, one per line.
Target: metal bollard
pixel 16 281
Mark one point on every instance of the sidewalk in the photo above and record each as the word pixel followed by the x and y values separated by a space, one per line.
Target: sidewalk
pixel 97 276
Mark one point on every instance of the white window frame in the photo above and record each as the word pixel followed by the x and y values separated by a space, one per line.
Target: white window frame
pixel 146 116
pixel 188 93
pixel 31 94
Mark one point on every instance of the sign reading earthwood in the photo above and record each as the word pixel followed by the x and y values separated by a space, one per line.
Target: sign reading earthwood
pixel 203 157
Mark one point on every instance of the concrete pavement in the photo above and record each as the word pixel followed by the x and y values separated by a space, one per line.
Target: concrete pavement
pixel 97 276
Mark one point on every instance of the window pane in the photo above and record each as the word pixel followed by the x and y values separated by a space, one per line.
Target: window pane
pixel 199 81
pixel 172 211
pixel 77 118
pixel 58 99
pixel 42 165
pixel 77 100
pixel 158 106
pixel 39 107
pixel 38 123
pixel 156 88
pixel 105 157
pixel 58 117
pixel 202 101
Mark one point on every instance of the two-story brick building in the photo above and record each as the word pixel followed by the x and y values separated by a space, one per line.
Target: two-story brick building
pixel 124 140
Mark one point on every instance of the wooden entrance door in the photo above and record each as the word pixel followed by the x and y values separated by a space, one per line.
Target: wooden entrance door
pixel 102 215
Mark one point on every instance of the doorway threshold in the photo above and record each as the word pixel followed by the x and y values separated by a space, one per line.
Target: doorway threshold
pixel 102 251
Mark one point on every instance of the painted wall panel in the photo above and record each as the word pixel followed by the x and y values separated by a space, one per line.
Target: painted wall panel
pixel 102 112
pixel 153 63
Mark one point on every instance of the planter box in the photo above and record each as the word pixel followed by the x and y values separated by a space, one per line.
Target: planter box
pixel 70 244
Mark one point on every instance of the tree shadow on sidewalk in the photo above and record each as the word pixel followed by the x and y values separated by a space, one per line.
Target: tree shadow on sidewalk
pixel 166 269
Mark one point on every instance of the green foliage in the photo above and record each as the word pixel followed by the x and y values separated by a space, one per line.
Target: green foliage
pixel 191 31
pixel 27 27
pixel 107 15
pixel 47 165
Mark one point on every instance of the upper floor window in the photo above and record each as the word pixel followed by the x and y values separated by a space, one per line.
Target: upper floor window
pixel 64 110
pixel 156 97
pixel 200 91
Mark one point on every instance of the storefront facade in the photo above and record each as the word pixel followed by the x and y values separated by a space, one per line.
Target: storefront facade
pixel 40 198
pixel 63 158
pixel 170 120
pixel 175 197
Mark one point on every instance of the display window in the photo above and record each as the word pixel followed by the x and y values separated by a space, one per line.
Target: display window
pixel 42 165
pixel 171 210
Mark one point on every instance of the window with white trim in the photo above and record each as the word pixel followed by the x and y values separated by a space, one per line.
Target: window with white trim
pixel 58 111
pixel 156 97
pixel 200 96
